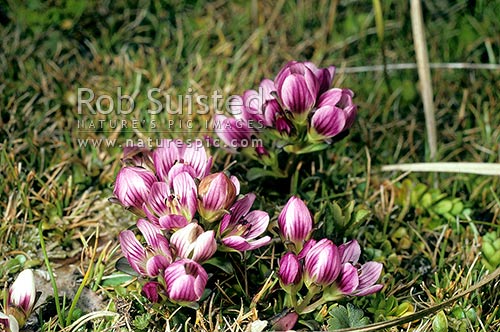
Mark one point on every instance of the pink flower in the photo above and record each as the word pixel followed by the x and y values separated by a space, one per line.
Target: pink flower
pixel 286 323
pixel 20 301
pixel 324 76
pixel 356 279
pixel 240 228
pixel 22 292
pixel 322 264
pixel 368 275
pixel 348 279
pixel 235 133
pixel 185 281
pixel 147 261
pixel 194 243
pixel 9 322
pixel 335 113
pixel 295 222
pixel 297 87
pixel 307 246
pixel 275 117
pixel 133 185
pixel 290 270
pixel 192 158
pixel 150 290
pixel 350 252
pixel 172 206
pixel 216 193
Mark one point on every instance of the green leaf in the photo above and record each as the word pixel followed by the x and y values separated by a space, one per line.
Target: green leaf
pixel 307 149
pixel 345 317
pixel 338 216
pixel 347 212
pixel 116 279
pixel 440 323
pixel 361 216
pixel 221 263
pixel 123 265
pixel 256 172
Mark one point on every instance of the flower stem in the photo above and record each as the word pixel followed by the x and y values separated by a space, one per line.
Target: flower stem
pixel 313 306
pixel 305 301
pixel 60 314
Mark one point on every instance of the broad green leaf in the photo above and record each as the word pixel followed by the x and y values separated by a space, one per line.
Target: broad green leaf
pixel 221 263
pixel 345 317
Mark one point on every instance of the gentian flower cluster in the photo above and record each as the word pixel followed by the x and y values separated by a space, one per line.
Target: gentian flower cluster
pixel 20 302
pixel 327 271
pixel 297 112
pixel 185 215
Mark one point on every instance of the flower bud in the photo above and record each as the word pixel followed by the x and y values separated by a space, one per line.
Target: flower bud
pixel 295 222
pixel 297 87
pixel 286 323
pixel 290 270
pixel 322 264
pixel 194 243
pixel 22 295
pixel 133 185
pixel 327 121
pixel 335 113
pixel 150 290
pixel 9 323
pixel 216 193
pixel 185 281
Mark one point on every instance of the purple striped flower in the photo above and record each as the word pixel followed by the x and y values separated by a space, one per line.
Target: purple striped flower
pixel 22 292
pixel 235 133
pixel 240 228
pixel 275 117
pixel 307 246
pixel 20 300
pixel 185 281
pixel 172 206
pixel 322 264
pixel 350 252
pixel 9 323
pixel 324 76
pixel 216 193
pixel 150 260
pixel 192 157
pixel 356 279
pixel 348 280
pixel 290 270
pixel 150 290
pixel 295 222
pixel 368 275
pixel 336 113
pixel 132 186
pixel 194 243
pixel 297 87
